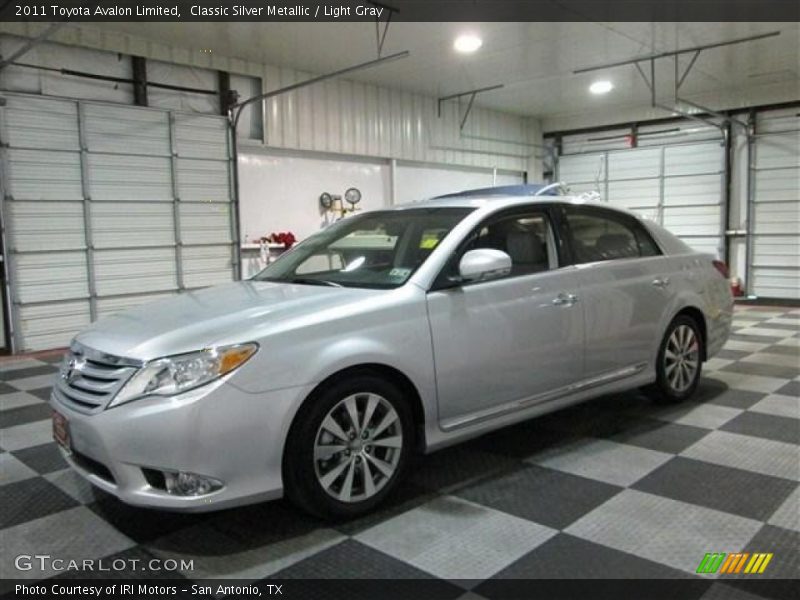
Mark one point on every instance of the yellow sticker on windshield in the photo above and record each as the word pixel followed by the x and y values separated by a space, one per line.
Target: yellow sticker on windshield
pixel 428 242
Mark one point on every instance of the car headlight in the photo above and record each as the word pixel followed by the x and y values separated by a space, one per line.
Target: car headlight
pixel 176 374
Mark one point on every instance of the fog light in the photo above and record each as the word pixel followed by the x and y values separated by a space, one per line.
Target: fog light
pixel 190 484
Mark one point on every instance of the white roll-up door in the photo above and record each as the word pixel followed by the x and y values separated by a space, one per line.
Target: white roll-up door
pixel 675 176
pixel 109 206
pixel 775 245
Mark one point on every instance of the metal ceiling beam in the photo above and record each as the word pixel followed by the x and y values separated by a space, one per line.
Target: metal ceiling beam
pixel 31 44
pixel 239 107
pixel 690 50
pixel 380 38
pixel 471 94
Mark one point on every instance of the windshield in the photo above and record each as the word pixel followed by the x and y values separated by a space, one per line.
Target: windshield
pixel 374 250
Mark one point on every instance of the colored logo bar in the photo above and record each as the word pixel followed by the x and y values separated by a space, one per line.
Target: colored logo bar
pixel 738 562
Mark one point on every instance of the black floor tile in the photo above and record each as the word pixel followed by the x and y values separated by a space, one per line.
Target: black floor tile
pixel 781 349
pixel 779 580
pixel 672 438
pixel 548 497
pixel 25 414
pixel 31 499
pixel 378 575
pixel 730 490
pixel 731 398
pixel 140 524
pixel 26 372
pixel 406 496
pixel 781 429
pixel 128 564
pixel 751 368
pixel 262 524
pixel 731 354
pixel 7 389
pixel 42 459
pixel 567 557
pixel 790 389
pixel 351 559
pixel 521 441
pixel 790 327
pixel 458 466
pixel 756 339
pixel 42 393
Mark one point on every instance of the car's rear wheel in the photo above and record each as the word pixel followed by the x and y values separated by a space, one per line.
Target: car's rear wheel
pixel 679 362
pixel 348 447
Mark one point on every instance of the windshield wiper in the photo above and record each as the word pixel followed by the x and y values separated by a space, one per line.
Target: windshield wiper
pixel 312 281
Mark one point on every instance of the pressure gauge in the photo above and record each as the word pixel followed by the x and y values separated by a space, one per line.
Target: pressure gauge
pixel 352 196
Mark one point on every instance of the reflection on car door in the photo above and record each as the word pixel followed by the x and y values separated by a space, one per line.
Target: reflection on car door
pixel 500 342
pixel 625 289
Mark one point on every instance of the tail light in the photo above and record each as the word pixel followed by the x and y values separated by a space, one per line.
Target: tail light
pixel 721 267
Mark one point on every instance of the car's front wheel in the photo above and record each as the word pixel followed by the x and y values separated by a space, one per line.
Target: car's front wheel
pixel 348 447
pixel 679 362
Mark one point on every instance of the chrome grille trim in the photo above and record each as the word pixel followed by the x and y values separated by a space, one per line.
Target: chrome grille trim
pixel 89 379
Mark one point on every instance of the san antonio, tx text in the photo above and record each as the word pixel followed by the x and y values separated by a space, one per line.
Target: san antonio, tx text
pixel 132 589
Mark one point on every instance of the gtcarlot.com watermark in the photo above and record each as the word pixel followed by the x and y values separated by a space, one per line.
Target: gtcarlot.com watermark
pixel 46 562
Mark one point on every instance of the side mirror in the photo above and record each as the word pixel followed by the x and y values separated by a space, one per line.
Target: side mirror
pixel 483 264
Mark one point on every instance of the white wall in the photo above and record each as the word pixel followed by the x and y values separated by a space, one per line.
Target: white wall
pixel 343 116
pixel 417 182
pixel 279 191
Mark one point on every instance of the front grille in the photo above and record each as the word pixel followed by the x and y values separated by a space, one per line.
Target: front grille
pixel 89 379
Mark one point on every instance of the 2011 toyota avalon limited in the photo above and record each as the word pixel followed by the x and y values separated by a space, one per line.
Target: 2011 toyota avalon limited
pixel 388 332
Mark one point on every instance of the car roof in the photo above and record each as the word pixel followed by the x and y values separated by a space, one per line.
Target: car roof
pixel 508 201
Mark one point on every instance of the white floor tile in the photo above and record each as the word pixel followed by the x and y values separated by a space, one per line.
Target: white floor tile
pixel 667 531
pixel 707 416
pixel 74 534
pixel 604 460
pixel 788 514
pixel 12 469
pixel 456 539
pixel 778 405
pixel 754 454
pixel 26 436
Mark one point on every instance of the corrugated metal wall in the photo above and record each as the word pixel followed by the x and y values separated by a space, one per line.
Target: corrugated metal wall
pixel 338 116
pixel 775 245
pixel 350 117
pixel 108 206
pixel 674 177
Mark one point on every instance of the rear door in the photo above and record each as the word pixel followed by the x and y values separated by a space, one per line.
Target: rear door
pixel 508 340
pixel 625 289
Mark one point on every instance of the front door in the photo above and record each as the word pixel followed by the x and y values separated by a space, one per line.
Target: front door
pixel 501 342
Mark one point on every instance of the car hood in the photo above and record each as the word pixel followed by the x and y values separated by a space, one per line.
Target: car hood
pixel 221 314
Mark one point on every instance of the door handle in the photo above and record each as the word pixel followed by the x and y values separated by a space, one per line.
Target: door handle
pixel 565 299
pixel 661 283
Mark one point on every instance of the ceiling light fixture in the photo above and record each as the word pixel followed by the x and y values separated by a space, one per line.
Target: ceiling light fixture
pixel 601 87
pixel 467 43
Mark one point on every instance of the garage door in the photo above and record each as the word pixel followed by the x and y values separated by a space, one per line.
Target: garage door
pixel 775 250
pixel 109 206
pixel 675 176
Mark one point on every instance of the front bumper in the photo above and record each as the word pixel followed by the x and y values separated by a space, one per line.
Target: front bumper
pixel 217 430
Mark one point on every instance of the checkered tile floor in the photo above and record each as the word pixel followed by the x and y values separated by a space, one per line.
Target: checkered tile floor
pixel 614 488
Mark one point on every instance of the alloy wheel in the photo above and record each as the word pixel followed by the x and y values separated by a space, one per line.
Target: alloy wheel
pixel 681 358
pixel 357 447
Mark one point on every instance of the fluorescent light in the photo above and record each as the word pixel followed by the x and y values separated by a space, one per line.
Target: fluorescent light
pixel 601 87
pixel 467 43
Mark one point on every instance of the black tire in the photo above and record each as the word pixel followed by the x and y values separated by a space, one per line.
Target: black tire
pixel 664 390
pixel 302 479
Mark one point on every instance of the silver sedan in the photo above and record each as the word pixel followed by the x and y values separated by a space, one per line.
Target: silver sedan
pixel 388 333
